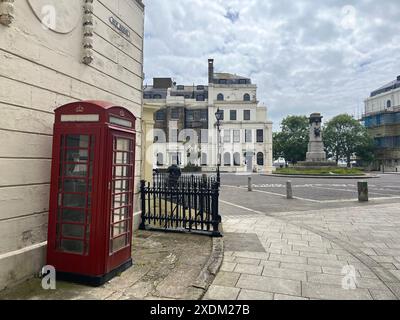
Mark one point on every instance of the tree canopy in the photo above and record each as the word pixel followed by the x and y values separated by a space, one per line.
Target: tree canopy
pixel 344 137
pixel 292 142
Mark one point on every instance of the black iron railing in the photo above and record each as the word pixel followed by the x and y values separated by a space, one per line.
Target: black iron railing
pixel 185 204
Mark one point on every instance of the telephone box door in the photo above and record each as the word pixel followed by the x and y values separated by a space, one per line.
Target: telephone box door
pixel 121 190
pixel 72 200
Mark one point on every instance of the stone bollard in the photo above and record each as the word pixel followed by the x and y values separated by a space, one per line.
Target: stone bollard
pixel 289 190
pixel 249 185
pixel 363 191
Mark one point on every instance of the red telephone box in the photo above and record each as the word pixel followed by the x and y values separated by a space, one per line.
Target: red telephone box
pixel 91 197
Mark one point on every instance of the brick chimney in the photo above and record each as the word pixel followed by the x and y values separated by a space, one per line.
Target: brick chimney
pixel 210 70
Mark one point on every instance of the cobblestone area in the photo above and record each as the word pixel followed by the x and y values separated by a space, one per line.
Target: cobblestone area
pixel 306 254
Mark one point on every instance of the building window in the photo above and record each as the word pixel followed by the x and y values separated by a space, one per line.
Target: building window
pixel 199 88
pixel 388 104
pixel 200 97
pixel 236 136
pixel 227 159
pixel 204 115
pixel 157 96
pixel 236 159
pixel 160 115
pixel 189 115
pixel 176 158
pixel 204 159
pixel 260 136
pixel 227 135
pixel 222 81
pixel 242 81
pixel 160 159
pixel 233 115
pixel 246 115
pixel 220 97
pixel 249 136
pixel 246 97
pixel 260 159
pixel 175 114
pixel 147 96
pixel 180 87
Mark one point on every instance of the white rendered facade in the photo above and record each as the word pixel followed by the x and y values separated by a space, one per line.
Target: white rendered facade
pixel 240 147
pixel 249 146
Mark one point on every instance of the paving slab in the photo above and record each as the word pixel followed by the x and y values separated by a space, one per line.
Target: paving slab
pixel 255 295
pixel 269 284
pixel 221 293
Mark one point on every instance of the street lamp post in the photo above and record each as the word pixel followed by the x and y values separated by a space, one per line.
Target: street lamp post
pixel 218 116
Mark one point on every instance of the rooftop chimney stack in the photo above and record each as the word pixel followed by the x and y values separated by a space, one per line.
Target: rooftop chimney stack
pixel 210 70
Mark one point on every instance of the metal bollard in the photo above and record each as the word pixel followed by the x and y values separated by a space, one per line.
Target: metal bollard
pixel 363 191
pixel 249 185
pixel 289 190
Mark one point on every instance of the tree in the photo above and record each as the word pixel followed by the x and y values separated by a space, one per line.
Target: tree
pixel 292 142
pixel 345 137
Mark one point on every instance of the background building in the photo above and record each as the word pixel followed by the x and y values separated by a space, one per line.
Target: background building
pixel 88 52
pixel 382 118
pixel 185 132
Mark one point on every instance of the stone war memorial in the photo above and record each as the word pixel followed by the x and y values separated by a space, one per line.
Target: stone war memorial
pixel 316 155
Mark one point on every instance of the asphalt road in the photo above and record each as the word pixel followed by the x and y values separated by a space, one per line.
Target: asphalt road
pixel 269 193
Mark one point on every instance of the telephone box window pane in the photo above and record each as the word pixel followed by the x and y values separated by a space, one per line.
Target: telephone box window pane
pixel 122 158
pixel 121 186
pixel 120 214
pixel 78 141
pixel 123 145
pixel 70 215
pixel 120 228
pixel 122 171
pixel 121 200
pixel 77 155
pixel 75 186
pixel 73 231
pixel 119 243
pixel 72 246
pixel 76 170
pixel 74 200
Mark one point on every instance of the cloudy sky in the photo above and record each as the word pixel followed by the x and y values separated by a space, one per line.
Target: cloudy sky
pixel 304 55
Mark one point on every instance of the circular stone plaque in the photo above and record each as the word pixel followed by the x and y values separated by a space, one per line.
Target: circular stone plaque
pixel 61 16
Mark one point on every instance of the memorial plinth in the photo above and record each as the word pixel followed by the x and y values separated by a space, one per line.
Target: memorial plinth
pixel 316 155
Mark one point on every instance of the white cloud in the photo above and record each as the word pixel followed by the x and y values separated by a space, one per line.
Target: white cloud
pixel 304 55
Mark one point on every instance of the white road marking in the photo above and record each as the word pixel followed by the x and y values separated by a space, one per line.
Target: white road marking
pixel 316 201
pixel 240 207
pixel 347 190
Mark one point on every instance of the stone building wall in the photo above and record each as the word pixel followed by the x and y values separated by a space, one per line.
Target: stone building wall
pixel 41 68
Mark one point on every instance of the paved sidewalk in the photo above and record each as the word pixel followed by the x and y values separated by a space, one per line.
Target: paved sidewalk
pixel 310 254
pixel 166 266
